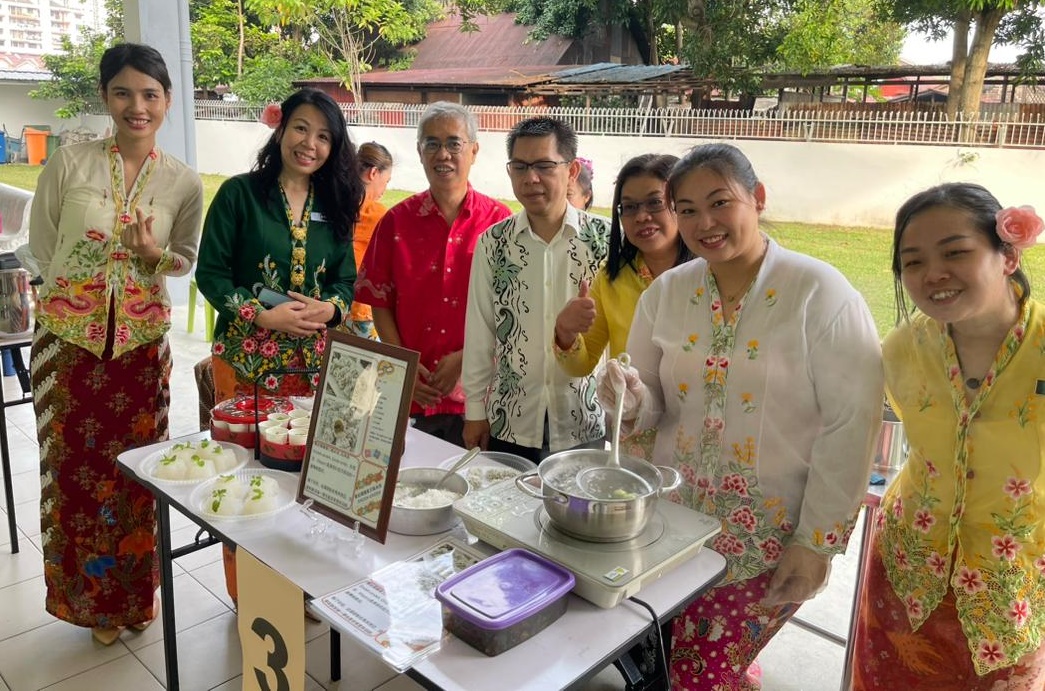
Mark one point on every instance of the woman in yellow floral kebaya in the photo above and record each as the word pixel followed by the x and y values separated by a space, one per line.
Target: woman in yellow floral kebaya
pixel 954 593
pixel 644 243
pixel 285 226
pixel 760 370
pixel 111 219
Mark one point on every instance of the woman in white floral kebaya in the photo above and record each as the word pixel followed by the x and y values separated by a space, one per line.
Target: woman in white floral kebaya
pixel 954 592
pixel 760 370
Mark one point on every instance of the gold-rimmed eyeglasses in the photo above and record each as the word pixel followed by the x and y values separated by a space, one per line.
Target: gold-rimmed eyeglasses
pixel 650 206
pixel 543 167
pixel 431 146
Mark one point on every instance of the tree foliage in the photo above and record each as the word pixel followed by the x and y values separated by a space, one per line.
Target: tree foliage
pixel 349 34
pixel 74 74
pixel 839 32
pixel 976 25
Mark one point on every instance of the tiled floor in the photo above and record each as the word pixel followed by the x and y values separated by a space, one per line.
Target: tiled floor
pixel 40 652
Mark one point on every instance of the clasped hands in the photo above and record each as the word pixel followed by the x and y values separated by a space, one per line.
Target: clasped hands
pixel 433 384
pixel 302 316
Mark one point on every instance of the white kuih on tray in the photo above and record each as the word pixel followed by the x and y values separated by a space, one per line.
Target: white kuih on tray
pixel 245 495
pixel 192 462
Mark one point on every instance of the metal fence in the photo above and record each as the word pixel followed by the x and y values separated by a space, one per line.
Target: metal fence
pixel 1018 127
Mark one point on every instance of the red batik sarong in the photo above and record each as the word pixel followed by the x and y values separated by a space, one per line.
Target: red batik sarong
pixel 98 525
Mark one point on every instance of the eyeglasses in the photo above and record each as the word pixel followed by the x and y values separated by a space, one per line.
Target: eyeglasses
pixel 541 167
pixel 650 206
pixel 452 146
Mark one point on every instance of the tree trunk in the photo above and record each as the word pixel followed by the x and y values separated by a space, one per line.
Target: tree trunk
pixel 959 56
pixel 651 32
pixel 240 50
pixel 976 68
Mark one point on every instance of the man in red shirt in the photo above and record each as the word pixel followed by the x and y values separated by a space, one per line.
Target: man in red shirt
pixel 415 270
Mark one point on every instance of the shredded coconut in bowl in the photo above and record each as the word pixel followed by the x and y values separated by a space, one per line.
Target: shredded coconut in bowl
pixel 429 498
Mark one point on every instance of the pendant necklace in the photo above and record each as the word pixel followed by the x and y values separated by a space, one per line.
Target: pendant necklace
pixel 973 383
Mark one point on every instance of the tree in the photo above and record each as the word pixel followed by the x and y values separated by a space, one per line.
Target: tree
pixel 74 74
pixel 347 32
pixel 839 32
pixel 1008 21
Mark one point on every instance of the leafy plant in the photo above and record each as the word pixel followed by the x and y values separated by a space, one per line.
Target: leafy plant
pixel 74 74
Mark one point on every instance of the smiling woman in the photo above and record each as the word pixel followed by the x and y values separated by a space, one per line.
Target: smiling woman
pixel 121 209
pixel 287 227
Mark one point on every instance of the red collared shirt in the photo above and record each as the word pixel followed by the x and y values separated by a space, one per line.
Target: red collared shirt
pixel 418 266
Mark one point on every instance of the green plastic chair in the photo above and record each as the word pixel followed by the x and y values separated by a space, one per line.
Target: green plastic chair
pixel 208 313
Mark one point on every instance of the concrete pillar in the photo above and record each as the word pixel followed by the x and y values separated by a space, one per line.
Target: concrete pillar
pixel 164 25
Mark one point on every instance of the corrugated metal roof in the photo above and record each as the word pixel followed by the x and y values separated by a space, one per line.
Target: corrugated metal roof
pixel 500 42
pixel 24 76
pixel 473 76
pixel 610 73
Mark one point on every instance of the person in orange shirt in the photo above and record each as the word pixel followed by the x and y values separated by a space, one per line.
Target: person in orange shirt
pixel 375 170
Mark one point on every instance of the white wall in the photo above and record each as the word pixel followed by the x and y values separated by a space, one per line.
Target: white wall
pixel 843 184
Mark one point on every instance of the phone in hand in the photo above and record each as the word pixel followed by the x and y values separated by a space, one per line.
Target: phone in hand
pixel 271 298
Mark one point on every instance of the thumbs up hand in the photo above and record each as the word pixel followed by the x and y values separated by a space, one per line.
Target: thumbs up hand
pixel 575 318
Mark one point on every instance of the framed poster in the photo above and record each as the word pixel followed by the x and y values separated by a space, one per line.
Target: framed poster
pixel 358 431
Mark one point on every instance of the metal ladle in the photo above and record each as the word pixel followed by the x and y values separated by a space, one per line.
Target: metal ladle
pixel 613 481
pixel 461 462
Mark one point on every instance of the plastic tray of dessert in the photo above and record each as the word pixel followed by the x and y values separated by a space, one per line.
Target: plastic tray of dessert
pixel 281 436
pixel 245 495
pixel 192 462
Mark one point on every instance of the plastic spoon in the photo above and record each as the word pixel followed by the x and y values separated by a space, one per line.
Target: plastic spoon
pixel 613 481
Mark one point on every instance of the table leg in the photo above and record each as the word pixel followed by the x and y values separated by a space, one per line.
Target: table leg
pixel 335 654
pixel 170 630
pixel 865 544
pixel 5 461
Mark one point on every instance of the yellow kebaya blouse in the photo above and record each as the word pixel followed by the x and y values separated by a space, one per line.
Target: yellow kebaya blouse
pixel 968 508
pixel 614 309
pixel 74 233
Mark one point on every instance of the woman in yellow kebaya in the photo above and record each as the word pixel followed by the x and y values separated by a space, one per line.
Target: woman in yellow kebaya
pixel 954 596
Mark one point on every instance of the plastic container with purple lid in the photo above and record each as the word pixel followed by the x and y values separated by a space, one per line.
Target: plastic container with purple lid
pixel 504 600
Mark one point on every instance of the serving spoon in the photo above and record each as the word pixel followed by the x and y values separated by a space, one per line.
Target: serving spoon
pixel 612 481
pixel 460 463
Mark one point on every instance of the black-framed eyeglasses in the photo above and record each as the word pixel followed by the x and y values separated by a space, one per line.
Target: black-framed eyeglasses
pixel 544 167
pixel 650 206
pixel 453 145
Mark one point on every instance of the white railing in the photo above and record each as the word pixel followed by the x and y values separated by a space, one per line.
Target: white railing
pixel 998 128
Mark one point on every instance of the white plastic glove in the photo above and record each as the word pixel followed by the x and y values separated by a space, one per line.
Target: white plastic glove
pixel 614 379
pixel 800 575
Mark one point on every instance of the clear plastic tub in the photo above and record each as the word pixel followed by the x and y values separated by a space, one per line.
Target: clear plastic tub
pixel 502 601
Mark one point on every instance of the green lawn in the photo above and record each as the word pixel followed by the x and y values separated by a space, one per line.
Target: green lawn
pixel 862 254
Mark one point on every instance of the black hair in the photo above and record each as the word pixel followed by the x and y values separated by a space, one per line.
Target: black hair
pixel 337 185
pixel 622 252
pixel 726 160
pixel 145 59
pixel 544 126
pixel 981 207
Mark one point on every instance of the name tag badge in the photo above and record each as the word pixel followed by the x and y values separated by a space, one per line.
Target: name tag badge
pixel 316 216
pixel 1039 388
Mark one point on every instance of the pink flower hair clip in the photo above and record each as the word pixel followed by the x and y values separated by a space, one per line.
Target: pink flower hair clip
pixel 586 162
pixel 271 116
pixel 1019 226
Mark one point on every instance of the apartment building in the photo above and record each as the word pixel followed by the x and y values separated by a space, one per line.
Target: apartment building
pixel 36 27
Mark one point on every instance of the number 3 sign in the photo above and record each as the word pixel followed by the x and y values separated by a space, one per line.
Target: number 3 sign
pixel 271 627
